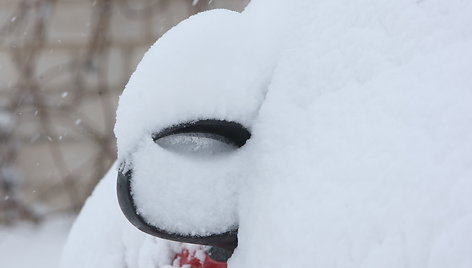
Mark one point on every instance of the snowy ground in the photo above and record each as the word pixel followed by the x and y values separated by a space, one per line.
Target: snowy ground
pixel 27 245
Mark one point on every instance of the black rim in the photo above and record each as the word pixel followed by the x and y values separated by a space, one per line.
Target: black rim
pixel 233 131
pixel 227 240
pixel 236 133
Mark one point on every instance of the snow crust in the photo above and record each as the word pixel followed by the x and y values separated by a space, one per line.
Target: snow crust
pixel 361 149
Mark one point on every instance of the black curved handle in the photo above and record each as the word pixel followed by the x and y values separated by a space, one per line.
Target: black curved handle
pixel 233 131
pixel 227 241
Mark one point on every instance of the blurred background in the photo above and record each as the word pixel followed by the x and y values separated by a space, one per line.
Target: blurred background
pixel 63 64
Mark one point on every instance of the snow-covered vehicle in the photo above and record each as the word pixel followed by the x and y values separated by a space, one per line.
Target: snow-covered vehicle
pixel 323 133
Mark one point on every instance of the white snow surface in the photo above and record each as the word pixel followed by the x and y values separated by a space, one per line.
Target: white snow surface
pixel 361 149
pixel 26 245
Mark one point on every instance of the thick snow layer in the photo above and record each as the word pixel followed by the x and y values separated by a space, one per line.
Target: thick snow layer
pixel 208 76
pixel 186 194
pixel 205 69
pixel 361 149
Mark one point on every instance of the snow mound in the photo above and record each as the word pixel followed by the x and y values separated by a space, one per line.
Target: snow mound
pixel 361 148
pixel 204 69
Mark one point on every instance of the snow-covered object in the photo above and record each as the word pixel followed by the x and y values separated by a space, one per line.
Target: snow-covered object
pixel 210 74
pixel 361 120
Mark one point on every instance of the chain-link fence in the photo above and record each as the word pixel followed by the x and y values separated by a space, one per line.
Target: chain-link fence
pixel 63 65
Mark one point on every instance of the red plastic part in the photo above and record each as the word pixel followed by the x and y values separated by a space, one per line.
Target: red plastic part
pixel 189 259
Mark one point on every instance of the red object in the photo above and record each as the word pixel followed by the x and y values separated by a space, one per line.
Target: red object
pixel 187 258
